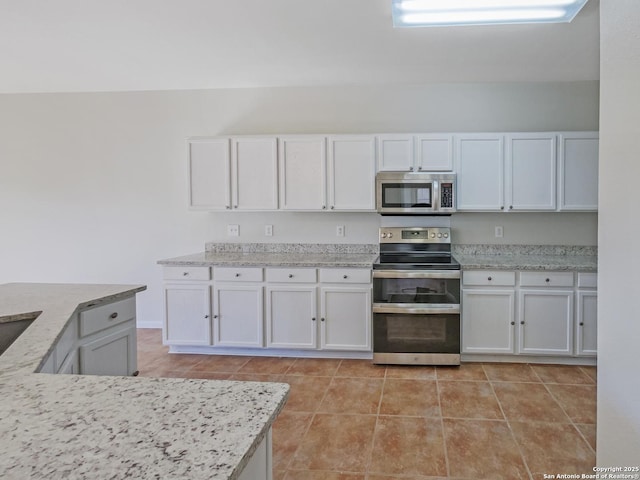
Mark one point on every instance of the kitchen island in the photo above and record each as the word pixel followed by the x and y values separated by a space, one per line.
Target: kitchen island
pixel 89 426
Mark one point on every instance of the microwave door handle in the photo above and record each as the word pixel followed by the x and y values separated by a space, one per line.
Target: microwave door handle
pixel 436 196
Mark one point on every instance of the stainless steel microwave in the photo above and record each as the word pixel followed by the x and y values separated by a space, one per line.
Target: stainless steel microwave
pixel 415 193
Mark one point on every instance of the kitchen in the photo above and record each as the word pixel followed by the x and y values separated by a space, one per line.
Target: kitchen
pixel 95 184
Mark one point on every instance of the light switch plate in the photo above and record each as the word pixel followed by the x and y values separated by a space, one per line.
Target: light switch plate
pixel 340 230
pixel 499 232
pixel 268 230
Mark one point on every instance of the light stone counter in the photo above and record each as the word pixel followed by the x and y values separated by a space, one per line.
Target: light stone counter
pixel 81 426
pixel 344 255
pixel 527 257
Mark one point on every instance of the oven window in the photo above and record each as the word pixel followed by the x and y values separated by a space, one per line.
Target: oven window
pixel 407 195
pixel 416 290
pixel 416 333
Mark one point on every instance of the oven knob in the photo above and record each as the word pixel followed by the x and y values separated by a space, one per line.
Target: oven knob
pixel 439 235
pixel 384 235
pixel 390 234
pixel 433 235
pixel 445 235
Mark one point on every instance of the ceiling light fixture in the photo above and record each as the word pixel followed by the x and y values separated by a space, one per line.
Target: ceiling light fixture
pixel 432 13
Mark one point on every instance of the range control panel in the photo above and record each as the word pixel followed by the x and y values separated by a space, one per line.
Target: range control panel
pixel 415 235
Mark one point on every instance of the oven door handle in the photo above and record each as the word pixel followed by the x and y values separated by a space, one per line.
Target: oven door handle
pixel 441 274
pixel 436 309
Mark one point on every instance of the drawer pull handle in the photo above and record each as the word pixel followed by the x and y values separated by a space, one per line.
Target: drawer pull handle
pixel 513 323
pixel 547 280
pixel 489 278
pixel 206 316
pixel 113 315
pixel 215 316
pixel 522 322
pixel 291 275
pixel 581 324
pixel 313 319
pixel 185 274
pixel 345 276
pixel 237 275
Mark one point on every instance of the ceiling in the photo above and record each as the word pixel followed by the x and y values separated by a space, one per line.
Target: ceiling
pixel 121 45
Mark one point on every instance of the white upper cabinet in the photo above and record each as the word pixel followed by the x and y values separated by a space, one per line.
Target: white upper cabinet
pixel 209 174
pixel 531 171
pixel 395 152
pixel 302 163
pixel 351 173
pixel 578 171
pixel 414 153
pixel 434 152
pixel 237 173
pixel 480 172
pixel 254 170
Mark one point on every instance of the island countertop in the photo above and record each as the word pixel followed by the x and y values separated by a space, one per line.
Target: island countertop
pixel 84 426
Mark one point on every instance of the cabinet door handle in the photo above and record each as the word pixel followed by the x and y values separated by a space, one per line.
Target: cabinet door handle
pixel 235 206
pixel 581 324
pixel 113 315
pixel 324 207
pixel 510 207
pixel 502 207
pixel 228 207
pixel 291 275
pixel 420 168
pixel 215 316
pixel 313 319
pixel 522 322
pixel 513 323
pixel 237 275
pixel 411 169
pixel 185 274
pixel 345 276
pixel 206 316
pixel 322 319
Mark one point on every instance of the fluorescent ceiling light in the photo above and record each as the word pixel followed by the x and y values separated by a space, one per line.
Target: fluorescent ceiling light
pixel 428 13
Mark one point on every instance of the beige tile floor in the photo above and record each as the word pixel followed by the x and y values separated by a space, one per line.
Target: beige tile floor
pixel 351 420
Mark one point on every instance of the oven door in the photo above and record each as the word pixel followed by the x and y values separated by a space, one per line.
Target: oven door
pixel 416 335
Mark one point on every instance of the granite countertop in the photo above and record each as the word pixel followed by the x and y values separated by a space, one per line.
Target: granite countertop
pixel 83 426
pixel 527 257
pixel 273 259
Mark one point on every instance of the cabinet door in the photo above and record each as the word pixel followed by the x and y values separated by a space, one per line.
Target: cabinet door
pixel 237 319
pixel 71 365
pixel 345 318
pixel 255 173
pixel 352 171
pixel 488 318
pixel 480 172
pixel 545 321
pixel 303 175
pixel 209 174
pixel 587 323
pixel 187 310
pixel 291 317
pixel 578 172
pixel 395 152
pixel 531 172
pixel 434 153
pixel 112 354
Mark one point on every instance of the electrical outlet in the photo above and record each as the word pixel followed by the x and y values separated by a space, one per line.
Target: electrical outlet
pixel 268 230
pixel 499 232
pixel 340 231
pixel 233 230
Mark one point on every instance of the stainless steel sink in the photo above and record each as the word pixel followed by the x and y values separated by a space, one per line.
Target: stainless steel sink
pixel 11 330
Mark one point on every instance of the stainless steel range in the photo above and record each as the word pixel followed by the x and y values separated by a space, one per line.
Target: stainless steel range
pixel 416 298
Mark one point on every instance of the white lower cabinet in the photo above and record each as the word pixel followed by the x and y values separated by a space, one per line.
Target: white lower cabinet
pixel 529 313
pixel 488 320
pixel 237 317
pixel 260 464
pixel 187 310
pixel 545 322
pixel 100 340
pixel 345 317
pixel 291 320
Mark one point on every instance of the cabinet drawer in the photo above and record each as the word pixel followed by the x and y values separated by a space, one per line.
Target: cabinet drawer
pixel 345 275
pixel 587 280
pixel 187 273
pixel 546 279
pixel 489 278
pixel 237 274
pixel 291 275
pixel 106 316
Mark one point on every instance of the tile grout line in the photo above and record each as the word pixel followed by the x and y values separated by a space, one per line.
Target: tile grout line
pixel 367 468
pixel 508 422
pixel 444 433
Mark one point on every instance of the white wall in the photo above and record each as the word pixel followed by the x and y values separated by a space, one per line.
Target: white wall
pixel 93 186
pixel 619 231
